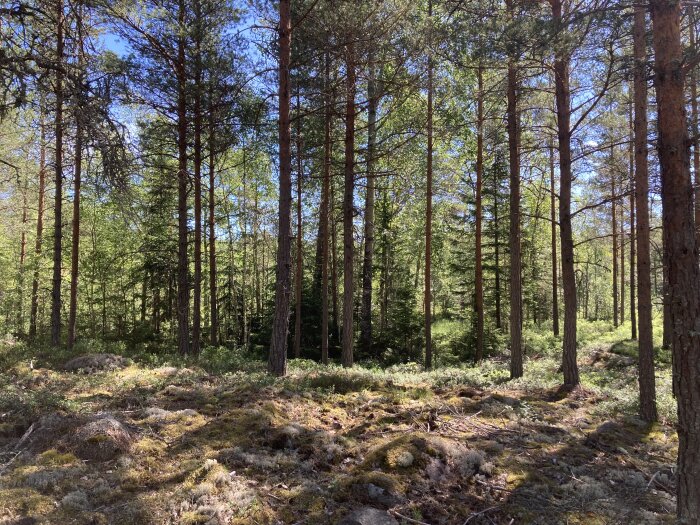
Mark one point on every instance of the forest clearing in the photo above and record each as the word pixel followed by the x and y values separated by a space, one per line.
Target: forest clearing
pixel 236 446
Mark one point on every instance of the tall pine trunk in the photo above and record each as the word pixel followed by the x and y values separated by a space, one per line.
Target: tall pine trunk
pixel 58 175
pixel 197 189
pixel 613 218
pixel 277 361
pixel 427 294
pixel 213 304
pixel 183 291
pixel 647 387
pixel 348 209
pixel 478 264
pixel 298 281
pixel 325 197
pixel 633 225
pixel 681 250
pixel 555 265
pixel 34 308
pixel 516 321
pixel 75 240
pixel 367 264
pixel 563 105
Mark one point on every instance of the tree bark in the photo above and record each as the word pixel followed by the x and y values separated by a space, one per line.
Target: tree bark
pixel 75 240
pixel 681 250
pixel 197 291
pixel 58 195
pixel 516 292
pixel 213 304
pixel 694 123
pixel 613 198
pixel 647 387
pixel 34 309
pixel 277 361
pixel 367 265
pixel 325 194
pixel 427 294
pixel 633 223
pixel 478 264
pixel 555 266
pixel 563 103
pixel 299 262
pixel 183 291
pixel 348 195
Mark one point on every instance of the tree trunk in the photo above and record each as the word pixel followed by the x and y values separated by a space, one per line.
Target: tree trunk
pixel 647 387
pixel 22 258
pixel 367 265
pixel 695 127
pixel 299 268
pixel 213 305
pixel 183 291
pixel 58 196
pixel 427 294
pixel 277 362
pixel 681 251
pixel 34 309
pixel 348 245
pixel 516 293
pixel 496 251
pixel 633 222
pixel 197 291
pixel 555 266
pixel 478 264
pixel 563 102
pixel 75 240
pixel 613 217
pixel 324 213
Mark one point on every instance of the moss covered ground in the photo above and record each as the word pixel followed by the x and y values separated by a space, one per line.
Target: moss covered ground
pixel 451 446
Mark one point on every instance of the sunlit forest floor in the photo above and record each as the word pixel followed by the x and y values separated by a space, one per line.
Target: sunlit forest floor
pixel 159 440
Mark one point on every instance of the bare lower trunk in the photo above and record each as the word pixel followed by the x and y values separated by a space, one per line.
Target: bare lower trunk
pixel 647 387
pixel 277 362
pixel 197 292
pixel 348 195
pixel 681 251
pixel 633 223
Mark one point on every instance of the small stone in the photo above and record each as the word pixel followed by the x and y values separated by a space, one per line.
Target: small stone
pixel 368 516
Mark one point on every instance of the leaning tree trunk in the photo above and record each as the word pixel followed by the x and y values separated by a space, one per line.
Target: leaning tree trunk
pixel 681 250
pixel 647 387
pixel 348 246
pixel 183 290
pixel 516 291
pixel 563 103
pixel 367 265
pixel 58 172
pixel 277 361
